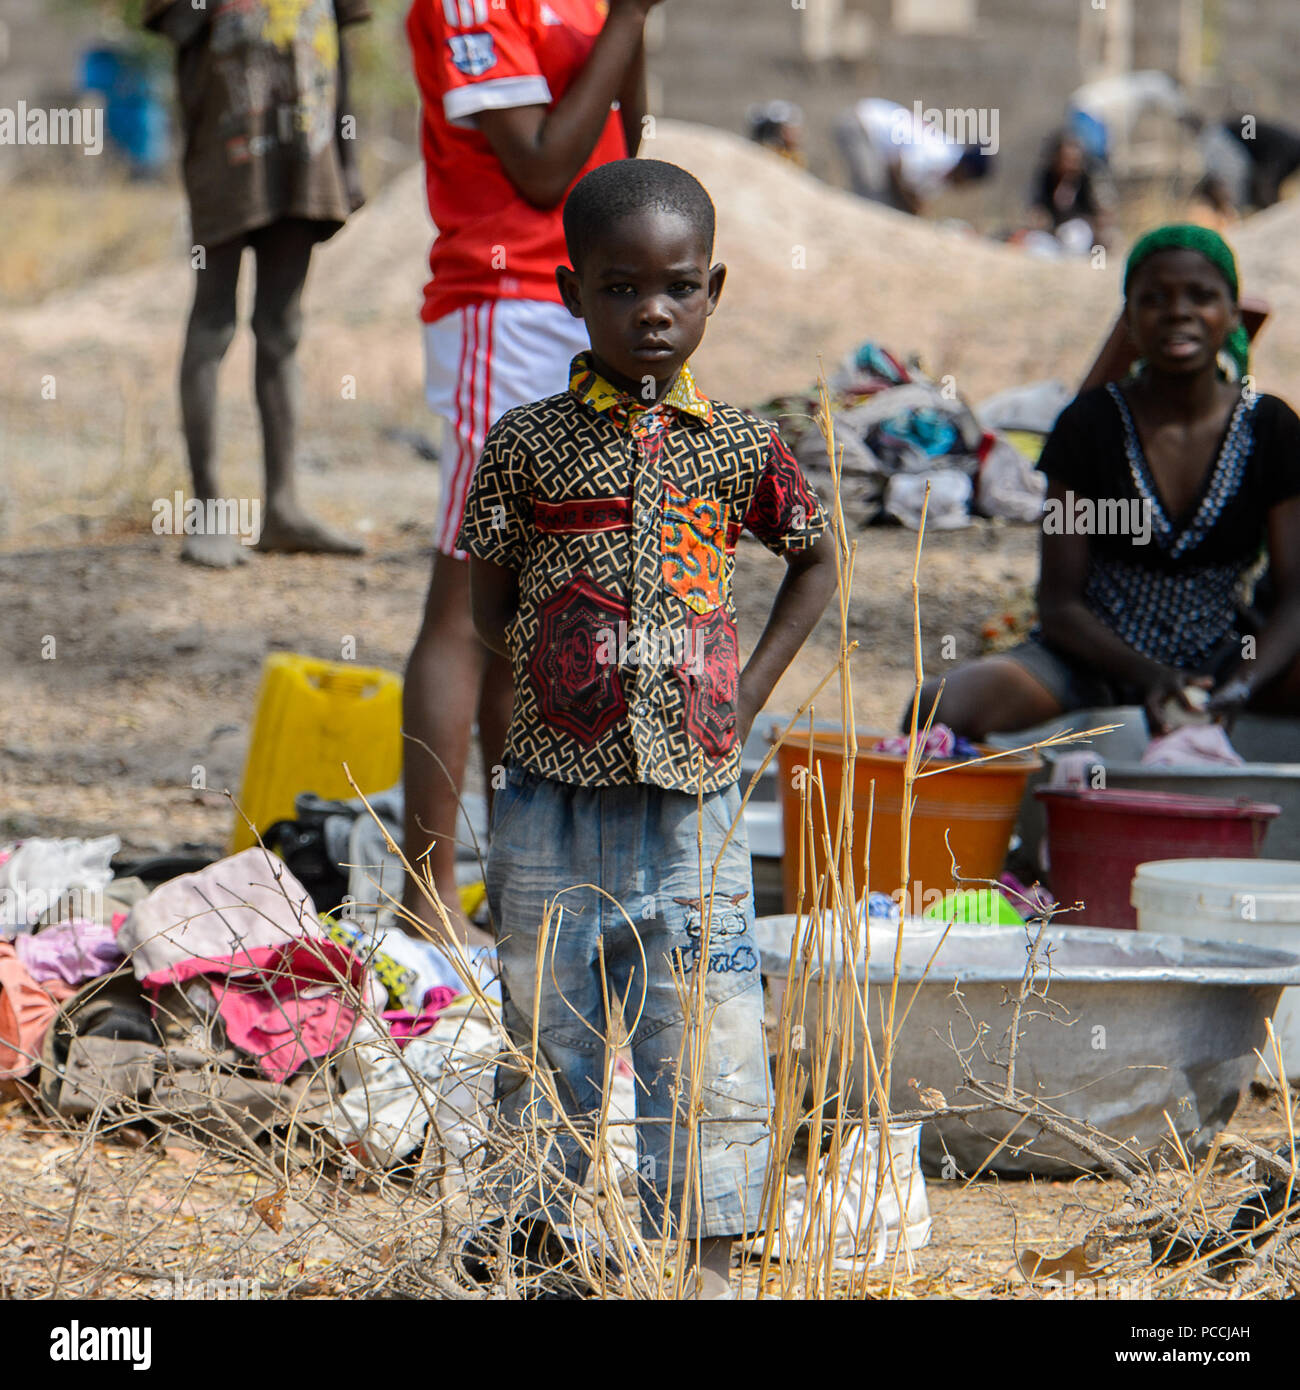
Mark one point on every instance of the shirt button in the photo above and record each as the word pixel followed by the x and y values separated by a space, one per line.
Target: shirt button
pixel 641 709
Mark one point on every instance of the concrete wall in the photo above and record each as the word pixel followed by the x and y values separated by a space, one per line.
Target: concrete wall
pixel 1023 57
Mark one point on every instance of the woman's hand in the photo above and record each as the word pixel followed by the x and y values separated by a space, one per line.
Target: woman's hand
pixel 1171 684
pixel 1231 697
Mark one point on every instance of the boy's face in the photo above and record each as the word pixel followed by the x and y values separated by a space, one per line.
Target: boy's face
pixel 645 290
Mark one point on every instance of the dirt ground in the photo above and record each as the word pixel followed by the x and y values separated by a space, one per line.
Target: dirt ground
pixel 122 670
pixel 169 1214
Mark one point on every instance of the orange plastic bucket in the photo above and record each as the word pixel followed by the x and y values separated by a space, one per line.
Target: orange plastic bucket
pixel 976 806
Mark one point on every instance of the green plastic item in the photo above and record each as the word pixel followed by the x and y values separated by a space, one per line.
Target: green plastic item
pixel 980 907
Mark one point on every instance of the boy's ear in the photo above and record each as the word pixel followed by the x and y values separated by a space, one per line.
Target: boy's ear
pixel 570 290
pixel 717 277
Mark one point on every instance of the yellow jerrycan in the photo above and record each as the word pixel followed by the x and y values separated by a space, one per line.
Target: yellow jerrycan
pixel 313 716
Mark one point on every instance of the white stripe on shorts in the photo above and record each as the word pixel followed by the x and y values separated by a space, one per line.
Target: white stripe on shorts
pixel 481 361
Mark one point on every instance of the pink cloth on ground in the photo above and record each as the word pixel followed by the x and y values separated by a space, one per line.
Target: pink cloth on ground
pixel 404 1025
pixel 27 1008
pixel 280 1004
pixel 73 951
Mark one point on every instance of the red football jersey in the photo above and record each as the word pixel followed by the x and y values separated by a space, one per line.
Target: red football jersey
pixel 482 55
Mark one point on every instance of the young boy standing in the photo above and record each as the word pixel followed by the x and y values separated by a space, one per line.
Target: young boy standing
pixel 519 98
pixel 601 526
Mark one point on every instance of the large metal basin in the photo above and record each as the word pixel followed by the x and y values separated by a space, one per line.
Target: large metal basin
pixel 1141 1025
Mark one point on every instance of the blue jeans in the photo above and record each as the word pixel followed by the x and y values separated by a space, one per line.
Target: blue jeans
pixel 639 844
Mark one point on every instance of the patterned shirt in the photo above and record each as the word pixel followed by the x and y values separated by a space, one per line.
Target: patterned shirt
pixel 1170 585
pixel 622 522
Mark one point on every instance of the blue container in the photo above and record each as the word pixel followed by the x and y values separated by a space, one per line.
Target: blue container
pixel 134 107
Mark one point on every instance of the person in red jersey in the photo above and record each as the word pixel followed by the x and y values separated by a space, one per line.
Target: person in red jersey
pixel 520 99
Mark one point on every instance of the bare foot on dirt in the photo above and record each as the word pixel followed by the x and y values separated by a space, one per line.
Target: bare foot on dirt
pixel 214 552
pixel 295 533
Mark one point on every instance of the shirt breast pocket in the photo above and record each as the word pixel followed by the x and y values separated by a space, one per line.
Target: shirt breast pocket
pixel 693 548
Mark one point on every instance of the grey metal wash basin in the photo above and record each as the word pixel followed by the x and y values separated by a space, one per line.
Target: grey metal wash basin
pixel 1139 1025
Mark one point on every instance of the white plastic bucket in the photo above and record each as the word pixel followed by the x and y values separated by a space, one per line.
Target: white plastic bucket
pixel 1255 901
pixel 902 1214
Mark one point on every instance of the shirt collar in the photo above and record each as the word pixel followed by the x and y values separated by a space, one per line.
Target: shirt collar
pixel 593 390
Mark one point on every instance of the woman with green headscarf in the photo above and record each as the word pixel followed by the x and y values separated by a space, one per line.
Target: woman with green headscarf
pixel 1164 491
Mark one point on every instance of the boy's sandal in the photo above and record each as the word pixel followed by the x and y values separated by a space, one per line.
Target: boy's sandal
pixel 540 1261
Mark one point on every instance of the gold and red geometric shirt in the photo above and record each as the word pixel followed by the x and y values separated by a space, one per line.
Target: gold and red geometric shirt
pixel 621 521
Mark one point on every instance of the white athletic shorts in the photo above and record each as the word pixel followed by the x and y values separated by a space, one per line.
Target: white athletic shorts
pixel 481 361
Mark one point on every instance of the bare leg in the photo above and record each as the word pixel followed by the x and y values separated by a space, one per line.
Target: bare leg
pixel 449 676
pixel 283 254
pixel 208 335
pixel 714 1267
pixel 989 696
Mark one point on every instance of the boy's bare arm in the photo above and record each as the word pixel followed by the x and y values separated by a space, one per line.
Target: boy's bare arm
pixel 493 602
pixel 810 580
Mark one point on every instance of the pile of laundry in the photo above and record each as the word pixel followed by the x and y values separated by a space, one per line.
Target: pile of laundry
pixel 897 430
pixel 220 1001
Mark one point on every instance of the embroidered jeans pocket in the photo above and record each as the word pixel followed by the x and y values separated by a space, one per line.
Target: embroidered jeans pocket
pixel 694 549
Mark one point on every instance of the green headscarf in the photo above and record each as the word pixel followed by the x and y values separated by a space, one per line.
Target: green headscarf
pixel 1186 236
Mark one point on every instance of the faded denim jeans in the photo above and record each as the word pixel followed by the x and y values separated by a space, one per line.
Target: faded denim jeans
pixel 638 843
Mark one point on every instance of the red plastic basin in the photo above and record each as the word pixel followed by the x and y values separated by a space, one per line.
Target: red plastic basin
pixel 1096 840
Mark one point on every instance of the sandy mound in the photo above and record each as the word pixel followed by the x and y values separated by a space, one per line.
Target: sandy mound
pixel 812 270
pixel 988 314
pixel 1268 254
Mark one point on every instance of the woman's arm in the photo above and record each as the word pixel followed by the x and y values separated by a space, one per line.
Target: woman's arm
pixel 1069 624
pixel 542 148
pixel 1279 643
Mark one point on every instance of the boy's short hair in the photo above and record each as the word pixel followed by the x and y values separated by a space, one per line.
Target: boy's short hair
pixel 626 186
